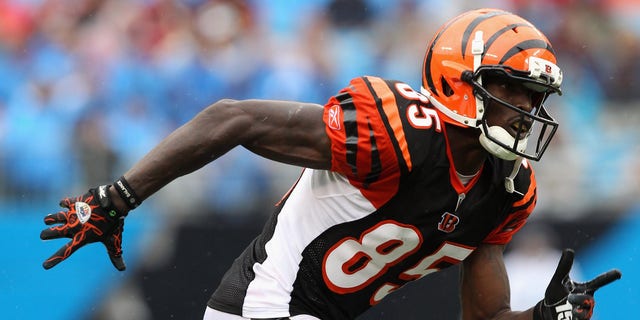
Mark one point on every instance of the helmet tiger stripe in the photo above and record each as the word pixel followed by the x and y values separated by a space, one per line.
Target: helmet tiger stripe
pixel 509 41
pixel 495 42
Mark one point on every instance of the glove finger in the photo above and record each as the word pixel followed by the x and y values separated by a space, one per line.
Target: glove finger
pixel 564 266
pixel 63 253
pixel 59 217
pixel 583 305
pixel 55 233
pixel 66 203
pixel 67 230
pixel 603 279
pixel 117 262
pixel 556 290
pixel 113 243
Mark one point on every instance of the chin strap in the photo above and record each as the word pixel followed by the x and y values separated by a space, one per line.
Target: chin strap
pixel 508 181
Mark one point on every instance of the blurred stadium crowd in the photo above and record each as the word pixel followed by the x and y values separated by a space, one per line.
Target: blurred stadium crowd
pixel 88 86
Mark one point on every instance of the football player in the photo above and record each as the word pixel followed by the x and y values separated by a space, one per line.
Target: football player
pixel 398 183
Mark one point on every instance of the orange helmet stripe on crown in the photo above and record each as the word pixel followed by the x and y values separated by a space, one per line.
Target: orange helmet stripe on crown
pixel 491 42
pixel 509 40
pixel 468 32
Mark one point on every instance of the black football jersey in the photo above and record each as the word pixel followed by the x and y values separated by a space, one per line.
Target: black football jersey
pixel 391 210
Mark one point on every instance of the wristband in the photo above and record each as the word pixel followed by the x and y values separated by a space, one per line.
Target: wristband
pixel 537 311
pixel 126 193
pixel 559 310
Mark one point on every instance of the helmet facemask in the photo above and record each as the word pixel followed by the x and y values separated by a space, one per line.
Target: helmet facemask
pixel 485 42
pixel 536 124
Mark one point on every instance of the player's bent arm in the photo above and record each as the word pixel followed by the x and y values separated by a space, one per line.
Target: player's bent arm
pixel 285 131
pixel 485 291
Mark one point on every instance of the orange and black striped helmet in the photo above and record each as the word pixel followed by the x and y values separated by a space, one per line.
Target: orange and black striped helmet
pixel 489 41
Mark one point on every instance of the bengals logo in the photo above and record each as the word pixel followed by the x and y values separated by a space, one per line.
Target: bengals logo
pixel 547 69
pixel 448 223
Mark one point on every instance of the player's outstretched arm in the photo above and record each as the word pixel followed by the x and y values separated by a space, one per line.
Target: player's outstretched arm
pixel 567 299
pixel 289 132
pixel 485 292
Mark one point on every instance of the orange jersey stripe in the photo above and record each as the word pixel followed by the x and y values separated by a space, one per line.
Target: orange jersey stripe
pixel 391 110
pixel 532 187
pixel 517 219
pixel 362 141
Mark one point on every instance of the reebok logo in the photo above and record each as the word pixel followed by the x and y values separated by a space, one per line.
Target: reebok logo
pixel 333 115
pixel 102 192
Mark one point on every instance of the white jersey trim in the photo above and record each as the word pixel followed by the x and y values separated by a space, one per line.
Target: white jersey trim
pixel 320 200
pixel 213 314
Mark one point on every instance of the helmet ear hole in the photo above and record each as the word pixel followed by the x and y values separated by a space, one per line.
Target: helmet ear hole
pixel 446 88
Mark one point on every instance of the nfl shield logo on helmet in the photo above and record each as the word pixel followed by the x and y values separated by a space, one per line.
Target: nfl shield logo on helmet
pixel 83 211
